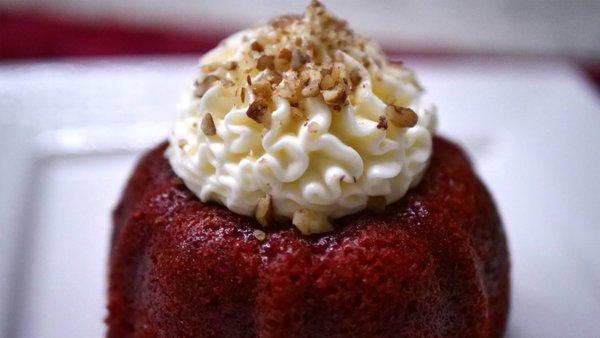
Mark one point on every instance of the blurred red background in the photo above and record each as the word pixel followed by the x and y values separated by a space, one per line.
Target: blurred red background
pixel 32 32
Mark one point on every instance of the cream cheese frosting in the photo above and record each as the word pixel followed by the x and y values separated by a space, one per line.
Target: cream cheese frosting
pixel 301 119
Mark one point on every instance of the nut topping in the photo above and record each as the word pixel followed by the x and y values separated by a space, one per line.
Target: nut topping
pixel 265 61
pixel 256 46
pixel 327 82
pixel 285 54
pixel 311 89
pixel 335 96
pixel 208 125
pixel 211 67
pixel 258 110
pixel 270 76
pixel 243 94
pixel 299 58
pixel 274 77
pixel 401 117
pixel 310 222
pixel 338 71
pixel 231 65
pixel 259 234
pixel 289 88
pixel 264 211
pixel 204 85
pixel 262 89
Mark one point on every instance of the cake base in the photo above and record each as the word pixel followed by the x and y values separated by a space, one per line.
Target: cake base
pixel 434 264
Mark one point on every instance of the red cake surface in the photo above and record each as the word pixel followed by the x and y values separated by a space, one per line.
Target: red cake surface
pixel 434 264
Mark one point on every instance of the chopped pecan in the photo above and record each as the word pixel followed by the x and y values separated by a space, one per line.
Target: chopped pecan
pixel 204 85
pixel 401 117
pixel 257 46
pixel 262 89
pixel 285 54
pixel 265 61
pixel 299 58
pixel 310 222
pixel 231 65
pixel 311 89
pixel 264 212
pixel 211 67
pixel 243 94
pixel 335 96
pixel 289 88
pixel 208 125
pixel 259 234
pixel 327 82
pixel 258 110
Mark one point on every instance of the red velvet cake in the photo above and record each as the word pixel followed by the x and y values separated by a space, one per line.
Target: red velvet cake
pixel 303 193
pixel 434 265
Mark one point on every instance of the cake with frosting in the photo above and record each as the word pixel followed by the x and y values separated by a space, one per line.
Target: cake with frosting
pixel 303 193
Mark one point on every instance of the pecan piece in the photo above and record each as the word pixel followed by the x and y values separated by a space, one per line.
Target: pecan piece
pixel 258 110
pixel 299 58
pixel 208 125
pixel 264 212
pixel 335 96
pixel 401 117
pixel 310 222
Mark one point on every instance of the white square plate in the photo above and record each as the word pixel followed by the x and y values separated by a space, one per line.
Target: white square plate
pixel 70 133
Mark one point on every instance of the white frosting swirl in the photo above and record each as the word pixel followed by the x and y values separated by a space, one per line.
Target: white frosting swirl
pixel 312 156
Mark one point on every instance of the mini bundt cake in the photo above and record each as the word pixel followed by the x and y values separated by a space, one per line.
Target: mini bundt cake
pixel 435 264
pixel 303 193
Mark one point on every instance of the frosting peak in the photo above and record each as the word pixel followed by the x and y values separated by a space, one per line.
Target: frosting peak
pixel 302 120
